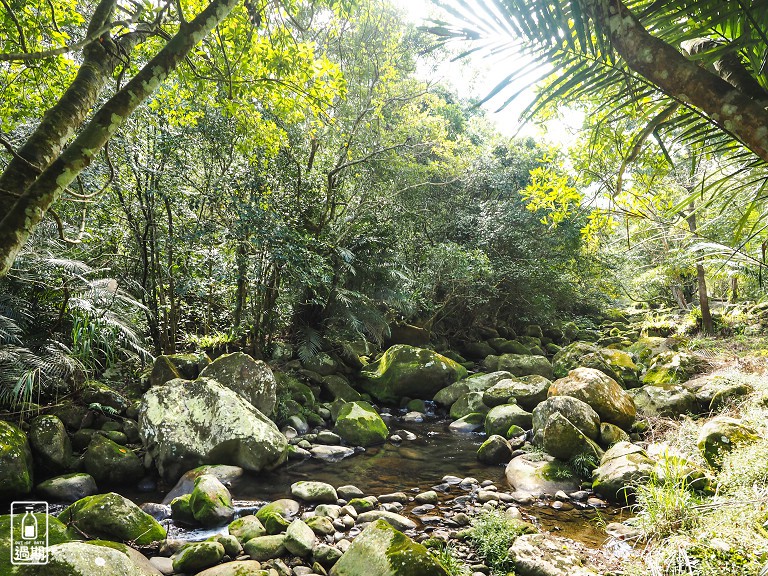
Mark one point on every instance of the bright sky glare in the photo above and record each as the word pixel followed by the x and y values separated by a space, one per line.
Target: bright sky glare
pixel 478 74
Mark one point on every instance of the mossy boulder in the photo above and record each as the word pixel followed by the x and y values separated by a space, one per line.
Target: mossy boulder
pixel 111 463
pixel 337 387
pixel 95 558
pixel 611 402
pixel 495 450
pixel 299 538
pixel 673 368
pixel 563 440
pixel 500 418
pixel 68 488
pixel 527 391
pixel 251 379
pixel 51 447
pixel 247 527
pixel 184 424
pixel 519 364
pixel 467 404
pixel 188 365
pixel 476 349
pixel 610 434
pixel 622 467
pixel 359 424
pixel 617 364
pixel 276 516
pixel 265 547
pixel 163 370
pixel 196 557
pixel 721 435
pixel 569 357
pixel 94 392
pixel 316 492
pixel 381 550
pixel 112 517
pixel 409 371
pixel 548 555
pixel 321 363
pixel 647 348
pixel 669 401
pixel 540 474
pixel 58 533
pixel 577 412
pixel 16 465
pixel 475 383
pixel 714 391
pixel 210 502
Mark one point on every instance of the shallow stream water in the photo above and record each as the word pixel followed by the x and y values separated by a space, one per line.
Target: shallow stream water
pixel 410 466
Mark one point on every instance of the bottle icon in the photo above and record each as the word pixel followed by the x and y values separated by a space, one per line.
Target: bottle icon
pixel 29 525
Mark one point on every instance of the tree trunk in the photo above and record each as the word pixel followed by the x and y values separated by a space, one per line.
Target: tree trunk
pixel 706 317
pixel 731 109
pixel 38 196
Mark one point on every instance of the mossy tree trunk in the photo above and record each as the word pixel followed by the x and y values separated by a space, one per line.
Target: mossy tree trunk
pixel 36 180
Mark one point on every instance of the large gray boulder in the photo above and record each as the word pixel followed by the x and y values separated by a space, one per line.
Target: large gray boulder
pixel 250 378
pixel 539 473
pixel 185 424
pixel 519 364
pixel 91 559
pixel 548 555
pixel 475 383
pixel 669 401
pixel 577 412
pixel 528 391
pixel 50 444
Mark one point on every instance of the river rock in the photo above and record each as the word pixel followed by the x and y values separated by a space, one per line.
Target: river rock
pixel 721 435
pixel 469 423
pixel 547 555
pixel 569 357
pixel 247 527
pixel 519 364
pixel 112 517
pixel 623 465
pixel 338 388
pixel 408 371
pixel 475 383
pixel 616 364
pixel 94 392
pixel 250 378
pixel 562 439
pixel 500 418
pixel 50 444
pixel 577 412
pixel 265 547
pixel 275 516
pixel 611 402
pixel 16 466
pixel 359 424
pixel 210 502
pixel 236 568
pixel 396 520
pixel 321 363
pixel 669 400
pixel 91 559
pixel 331 453
pixel 673 368
pixel 495 450
pixel 68 488
pixel 184 424
pixel 528 391
pixel 299 538
pixel 381 550
pixel 57 534
pixel 315 492
pixel 111 463
pixel 468 403
pixel 198 556
pixel 223 473
pixel 715 390
pixel 540 473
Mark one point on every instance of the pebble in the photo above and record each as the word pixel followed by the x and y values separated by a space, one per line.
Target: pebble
pixel 413 417
pixel 164 565
pixel 461 519
pixel 392 506
pixel 423 509
pixel 431 519
pixel 401 497
pixel 406 435
pixel 579 495
pixel 560 505
pixel 349 491
pixel 562 496
pixel 522 497
pixel 487 496
pixel 328 437
pixel 468 483
pixel 596 502
pixel 451 480
pixel 428 497
pixel 487 484
pixel 395 439
pixel 290 432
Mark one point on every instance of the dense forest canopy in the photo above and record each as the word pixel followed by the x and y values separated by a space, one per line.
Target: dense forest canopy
pixel 245 174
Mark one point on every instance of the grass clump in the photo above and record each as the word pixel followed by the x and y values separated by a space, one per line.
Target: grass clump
pixel 446 554
pixel 492 534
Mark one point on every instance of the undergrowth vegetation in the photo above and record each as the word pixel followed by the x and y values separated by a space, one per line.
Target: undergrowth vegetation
pixel 492 534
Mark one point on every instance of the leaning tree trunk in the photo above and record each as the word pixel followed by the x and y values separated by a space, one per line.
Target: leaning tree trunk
pixel 47 187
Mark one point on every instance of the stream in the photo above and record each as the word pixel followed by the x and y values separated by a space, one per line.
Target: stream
pixel 410 466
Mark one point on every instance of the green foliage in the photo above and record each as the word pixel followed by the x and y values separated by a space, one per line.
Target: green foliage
pixel 583 464
pixel 448 558
pixel 491 535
